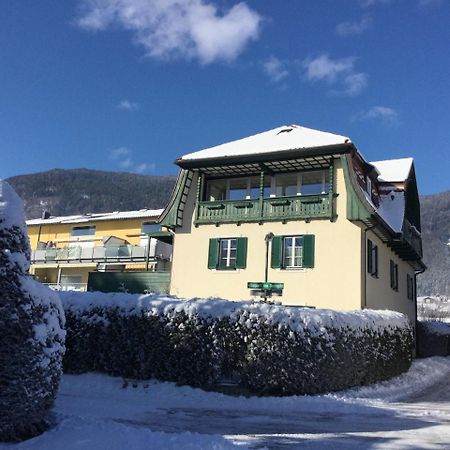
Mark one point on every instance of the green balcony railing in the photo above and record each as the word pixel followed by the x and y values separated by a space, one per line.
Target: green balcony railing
pixel 274 208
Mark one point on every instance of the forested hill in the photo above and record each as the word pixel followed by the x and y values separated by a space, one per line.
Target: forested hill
pixel 78 191
pixel 435 212
pixel 65 192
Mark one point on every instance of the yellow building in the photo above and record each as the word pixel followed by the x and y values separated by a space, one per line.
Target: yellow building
pixel 300 216
pixel 66 250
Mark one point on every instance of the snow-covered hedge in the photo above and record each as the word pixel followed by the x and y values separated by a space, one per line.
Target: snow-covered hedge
pixel 31 334
pixel 267 349
pixel 433 338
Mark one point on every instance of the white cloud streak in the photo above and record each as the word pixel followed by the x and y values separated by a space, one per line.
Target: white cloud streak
pixel 127 105
pixel 275 69
pixel 368 3
pixel 338 73
pixel 383 114
pixel 354 28
pixel 122 156
pixel 181 29
pixel 430 3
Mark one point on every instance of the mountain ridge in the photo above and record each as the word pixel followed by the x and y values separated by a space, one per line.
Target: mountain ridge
pixel 78 191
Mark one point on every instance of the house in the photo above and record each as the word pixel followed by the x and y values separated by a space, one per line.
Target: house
pixel 299 216
pixel 67 250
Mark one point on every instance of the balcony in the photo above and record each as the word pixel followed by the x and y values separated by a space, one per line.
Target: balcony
pixel 409 243
pixel 113 254
pixel 259 210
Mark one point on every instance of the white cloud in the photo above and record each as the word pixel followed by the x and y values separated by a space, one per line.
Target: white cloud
pixel 275 69
pixel 432 3
pixel 354 28
pixel 367 3
pixel 186 29
pixel 123 158
pixel 339 73
pixel 126 105
pixel 325 68
pixel 384 114
pixel 119 153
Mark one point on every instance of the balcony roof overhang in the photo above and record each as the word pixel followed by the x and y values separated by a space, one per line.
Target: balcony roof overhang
pixel 276 161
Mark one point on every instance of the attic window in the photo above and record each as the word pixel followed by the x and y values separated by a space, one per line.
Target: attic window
pixel 286 130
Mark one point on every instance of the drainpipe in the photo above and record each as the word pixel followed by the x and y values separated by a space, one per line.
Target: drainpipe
pixel 417 272
pixel 364 263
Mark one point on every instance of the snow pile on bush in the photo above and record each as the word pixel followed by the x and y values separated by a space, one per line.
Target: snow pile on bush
pixel 267 349
pixel 433 338
pixel 31 334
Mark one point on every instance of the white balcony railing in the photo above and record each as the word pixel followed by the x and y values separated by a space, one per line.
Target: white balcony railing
pixel 105 254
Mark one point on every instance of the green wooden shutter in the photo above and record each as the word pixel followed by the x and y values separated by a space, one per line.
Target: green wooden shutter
pixel 276 252
pixel 241 253
pixel 213 253
pixel 369 256
pixel 308 250
pixel 375 249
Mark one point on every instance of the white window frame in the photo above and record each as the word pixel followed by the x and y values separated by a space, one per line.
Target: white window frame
pixel 230 262
pixel 292 264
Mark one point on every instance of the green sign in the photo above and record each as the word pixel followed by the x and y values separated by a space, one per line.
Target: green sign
pixel 266 286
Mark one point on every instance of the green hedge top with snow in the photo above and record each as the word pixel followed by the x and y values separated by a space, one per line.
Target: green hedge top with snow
pixel 316 321
pixel 264 348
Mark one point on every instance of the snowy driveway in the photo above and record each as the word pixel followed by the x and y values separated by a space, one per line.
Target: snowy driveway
pixel 98 412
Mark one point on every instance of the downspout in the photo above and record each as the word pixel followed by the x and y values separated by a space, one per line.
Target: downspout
pixel 364 263
pixel 417 272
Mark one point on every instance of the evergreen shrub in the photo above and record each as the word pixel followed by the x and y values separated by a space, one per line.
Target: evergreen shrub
pixel 265 349
pixel 31 331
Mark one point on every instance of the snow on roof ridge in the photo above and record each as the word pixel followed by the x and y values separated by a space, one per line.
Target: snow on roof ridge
pixel 91 217
pixel 286 137
pixel 392 170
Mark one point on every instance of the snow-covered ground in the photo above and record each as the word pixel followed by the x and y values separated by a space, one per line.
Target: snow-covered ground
pixel 98 412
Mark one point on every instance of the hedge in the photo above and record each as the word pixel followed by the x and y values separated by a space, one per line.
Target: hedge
pixel 433 338
pixel 265 349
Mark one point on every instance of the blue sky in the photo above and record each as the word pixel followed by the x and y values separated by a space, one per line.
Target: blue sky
pixel 129 85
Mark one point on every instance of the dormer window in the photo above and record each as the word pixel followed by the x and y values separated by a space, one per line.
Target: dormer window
pixel 368 185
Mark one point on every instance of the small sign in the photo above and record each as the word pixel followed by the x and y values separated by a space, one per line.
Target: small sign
pixel 266 286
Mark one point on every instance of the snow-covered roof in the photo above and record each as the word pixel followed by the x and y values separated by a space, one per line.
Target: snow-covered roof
pixel 392 170
pixel 288 137
pixel 116 215
pixel 392 209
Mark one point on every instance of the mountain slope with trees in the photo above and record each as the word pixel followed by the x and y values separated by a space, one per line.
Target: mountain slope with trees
pixel 65 192
pixel 78 191
pixel 435 213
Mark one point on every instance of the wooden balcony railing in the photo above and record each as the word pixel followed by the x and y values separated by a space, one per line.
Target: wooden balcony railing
pixel 274 208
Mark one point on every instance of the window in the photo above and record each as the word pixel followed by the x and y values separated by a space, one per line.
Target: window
pixel 394 275
pixel 150 227
pixel 235 188
pixel 368 185
pixel 293 252
pixel 372 258
pixel 227 253
pixel 83 231
pixel 410 286
pixel 300 183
